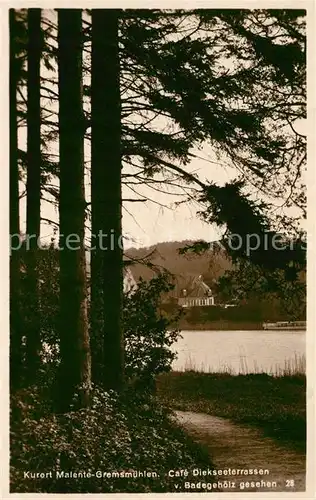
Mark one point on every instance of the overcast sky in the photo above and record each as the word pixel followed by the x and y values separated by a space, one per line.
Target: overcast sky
pixel 145 224
pixel 149 223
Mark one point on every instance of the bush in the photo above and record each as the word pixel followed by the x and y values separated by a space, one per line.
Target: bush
pixel 147 329
pixel 130 433
pixel 148 334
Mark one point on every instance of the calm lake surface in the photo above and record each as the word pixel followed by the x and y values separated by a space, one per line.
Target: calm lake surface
pixel 240 351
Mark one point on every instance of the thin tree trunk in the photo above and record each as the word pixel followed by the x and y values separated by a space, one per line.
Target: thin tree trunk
pixel 106 185
pixel 15 316
pixel 33 189
pixel 75 368
pixel 96 300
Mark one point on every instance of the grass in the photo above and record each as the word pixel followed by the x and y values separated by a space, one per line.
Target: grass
pixel 291 367
pixel 276 404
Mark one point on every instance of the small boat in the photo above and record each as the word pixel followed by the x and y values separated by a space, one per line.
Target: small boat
pixel 285 325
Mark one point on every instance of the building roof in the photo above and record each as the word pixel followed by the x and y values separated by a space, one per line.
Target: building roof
pixel 196 288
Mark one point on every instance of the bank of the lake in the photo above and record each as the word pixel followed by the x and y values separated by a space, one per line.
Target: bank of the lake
pixel 220 325
pixel 249 316
pixel 241 351
pixel 277 405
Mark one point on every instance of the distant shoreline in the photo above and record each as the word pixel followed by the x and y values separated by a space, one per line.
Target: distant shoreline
pixel 224 326
pixel 220 325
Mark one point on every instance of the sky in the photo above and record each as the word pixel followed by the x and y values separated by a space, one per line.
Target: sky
pixel 155 224
pixel 145 224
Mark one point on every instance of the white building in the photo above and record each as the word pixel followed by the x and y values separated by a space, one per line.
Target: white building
pixel 197 294
pixel 129 282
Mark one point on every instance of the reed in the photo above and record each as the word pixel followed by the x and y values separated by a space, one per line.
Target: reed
pixel 291 367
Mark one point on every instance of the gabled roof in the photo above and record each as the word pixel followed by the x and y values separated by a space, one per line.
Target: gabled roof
pixel 197 288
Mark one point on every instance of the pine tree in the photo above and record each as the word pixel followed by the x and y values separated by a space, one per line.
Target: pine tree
pixel 33 189
pixel 15 318
pixel 106 188
pixel 75 367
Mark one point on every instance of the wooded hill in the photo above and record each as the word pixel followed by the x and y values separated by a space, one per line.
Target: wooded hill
pixel 259 295
pixel 211 264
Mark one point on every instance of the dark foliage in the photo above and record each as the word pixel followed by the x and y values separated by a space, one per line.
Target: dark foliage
pixel 148 336
pixel 278 293
pixel 147 330
pixel 130 433
pixel 248 233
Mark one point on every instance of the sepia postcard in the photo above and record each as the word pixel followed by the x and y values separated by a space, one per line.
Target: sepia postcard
pixel 157 317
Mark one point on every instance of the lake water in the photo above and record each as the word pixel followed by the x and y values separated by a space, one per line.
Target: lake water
pixel 241 351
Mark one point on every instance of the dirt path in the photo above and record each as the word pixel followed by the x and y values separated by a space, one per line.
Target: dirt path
pixel 238 446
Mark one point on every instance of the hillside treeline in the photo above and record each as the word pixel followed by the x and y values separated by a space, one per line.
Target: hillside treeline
pixel 258 295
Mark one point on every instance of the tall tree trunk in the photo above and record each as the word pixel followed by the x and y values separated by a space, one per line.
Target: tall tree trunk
pixel 15 317
pixel 106 185
pixel 33 189
pixel 97 208
pixel 75 368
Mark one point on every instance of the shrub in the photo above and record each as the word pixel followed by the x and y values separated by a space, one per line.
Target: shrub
pixel 127 433
pixel 148 332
